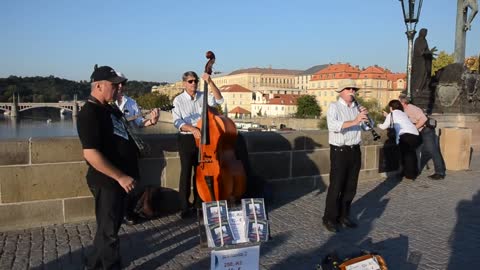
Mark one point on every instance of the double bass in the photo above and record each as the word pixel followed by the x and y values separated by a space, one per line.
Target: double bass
pixel 219 174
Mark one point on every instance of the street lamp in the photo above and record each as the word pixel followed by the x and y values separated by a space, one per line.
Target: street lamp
pixel 411 19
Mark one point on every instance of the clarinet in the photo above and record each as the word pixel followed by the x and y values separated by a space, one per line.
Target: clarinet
pixel 368 122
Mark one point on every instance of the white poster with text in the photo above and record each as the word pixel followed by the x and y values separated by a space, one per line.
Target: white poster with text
pixel 247 258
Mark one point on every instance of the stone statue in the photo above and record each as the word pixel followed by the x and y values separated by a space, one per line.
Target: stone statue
pixel 421 62
pixel 473 5
pixel 456 87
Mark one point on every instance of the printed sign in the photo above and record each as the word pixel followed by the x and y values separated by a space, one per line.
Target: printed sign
pixel 368 264
pixel 237 223
pixel 247 258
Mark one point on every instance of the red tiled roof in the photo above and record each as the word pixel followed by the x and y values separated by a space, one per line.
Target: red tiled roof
pixel 233 88
pixel 240 110
pixel 267 71
pixel 396 76
pixel 373 72
pixel 337 71
pixel 279 99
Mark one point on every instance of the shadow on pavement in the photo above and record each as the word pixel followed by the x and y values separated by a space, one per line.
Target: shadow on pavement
pixel 465 239
pixel 352 242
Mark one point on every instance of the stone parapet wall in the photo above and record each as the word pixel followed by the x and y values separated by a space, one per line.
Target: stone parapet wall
pixel 42 181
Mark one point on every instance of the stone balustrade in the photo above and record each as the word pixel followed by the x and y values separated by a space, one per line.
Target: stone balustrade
pixel 42 180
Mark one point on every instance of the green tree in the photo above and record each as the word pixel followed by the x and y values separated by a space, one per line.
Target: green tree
pixel 153 100
pixel 307 107
pixel 322 124
pixel 442 60
pixel 373 107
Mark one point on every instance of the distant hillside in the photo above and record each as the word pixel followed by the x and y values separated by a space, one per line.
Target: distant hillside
pixel 53 89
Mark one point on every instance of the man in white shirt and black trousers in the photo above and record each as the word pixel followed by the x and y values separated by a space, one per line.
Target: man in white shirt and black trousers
pixel 345 122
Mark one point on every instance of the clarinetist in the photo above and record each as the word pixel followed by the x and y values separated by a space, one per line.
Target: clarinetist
pixel 345 122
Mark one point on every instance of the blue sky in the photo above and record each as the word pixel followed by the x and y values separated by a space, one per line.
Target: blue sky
pixel 159 40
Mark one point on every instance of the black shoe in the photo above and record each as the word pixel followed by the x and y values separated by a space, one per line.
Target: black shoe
pixel 130 220
pixel 187 214
pixel 330 226
pixel 347 223
pixel 436 176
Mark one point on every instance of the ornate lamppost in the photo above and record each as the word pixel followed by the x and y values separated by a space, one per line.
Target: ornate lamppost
pixel 411 13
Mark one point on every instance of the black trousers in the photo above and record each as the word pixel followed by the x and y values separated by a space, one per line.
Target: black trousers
pixel 188 152
pixel 109 208
pixel 345 163
pixel 408 144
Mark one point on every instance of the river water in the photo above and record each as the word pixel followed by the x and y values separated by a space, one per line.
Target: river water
pixel 54 125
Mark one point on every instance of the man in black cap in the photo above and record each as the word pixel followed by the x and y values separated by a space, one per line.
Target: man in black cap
pixel 111 156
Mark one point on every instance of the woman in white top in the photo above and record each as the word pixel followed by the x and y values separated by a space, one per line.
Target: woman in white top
pixel 407 137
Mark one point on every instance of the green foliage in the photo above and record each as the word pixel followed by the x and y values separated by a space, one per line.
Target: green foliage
pixel 152 100
pixel 219 109
pixel 442 60
pixel 53 89
pixel 322 124
pixel 42 89
pixel 373 107
pixel 307 107
pixel 138 88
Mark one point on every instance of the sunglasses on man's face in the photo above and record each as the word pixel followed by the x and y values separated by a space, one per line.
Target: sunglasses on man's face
pixel 192 81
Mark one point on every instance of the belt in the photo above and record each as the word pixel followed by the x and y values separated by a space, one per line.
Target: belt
pixel 345 147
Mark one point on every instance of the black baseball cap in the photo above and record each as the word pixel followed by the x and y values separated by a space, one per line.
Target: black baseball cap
pixel 106 73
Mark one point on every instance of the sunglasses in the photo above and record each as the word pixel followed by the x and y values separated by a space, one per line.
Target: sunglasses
pixel 354 89
pixel 192 81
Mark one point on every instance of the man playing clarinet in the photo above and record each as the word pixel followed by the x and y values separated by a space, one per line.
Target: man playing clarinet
pixel 345 119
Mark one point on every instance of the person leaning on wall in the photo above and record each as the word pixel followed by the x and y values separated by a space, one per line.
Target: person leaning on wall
pixel 429 149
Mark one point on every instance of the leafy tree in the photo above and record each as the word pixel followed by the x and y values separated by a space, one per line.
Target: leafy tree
pixel 307 107
pixel 442 60
pixel 373 107
pixel 152 100
pixel 53 89
pixel 374 111
pixel 322 124
pixel 472 63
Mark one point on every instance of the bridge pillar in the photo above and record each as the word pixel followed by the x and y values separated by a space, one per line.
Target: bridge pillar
pixel 75 109
pixel 14 111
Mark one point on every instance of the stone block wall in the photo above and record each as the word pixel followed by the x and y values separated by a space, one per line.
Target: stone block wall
pixel 42 180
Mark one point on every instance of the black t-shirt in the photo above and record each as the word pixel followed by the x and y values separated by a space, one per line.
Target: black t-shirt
pixel 99 128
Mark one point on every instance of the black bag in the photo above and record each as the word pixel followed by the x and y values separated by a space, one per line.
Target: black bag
pixel 157 201
pixel 390 154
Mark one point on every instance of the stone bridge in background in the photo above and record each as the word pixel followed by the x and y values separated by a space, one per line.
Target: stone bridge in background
pixel 15 107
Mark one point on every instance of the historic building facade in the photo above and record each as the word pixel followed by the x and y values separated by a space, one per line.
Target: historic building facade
pixel 274 92
pixel 237 101
pixel 254 78
pixel 274 105
pixel 302 79
pixel 374 82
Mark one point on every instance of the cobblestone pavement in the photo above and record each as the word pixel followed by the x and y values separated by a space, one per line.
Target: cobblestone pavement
pixel 423 224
